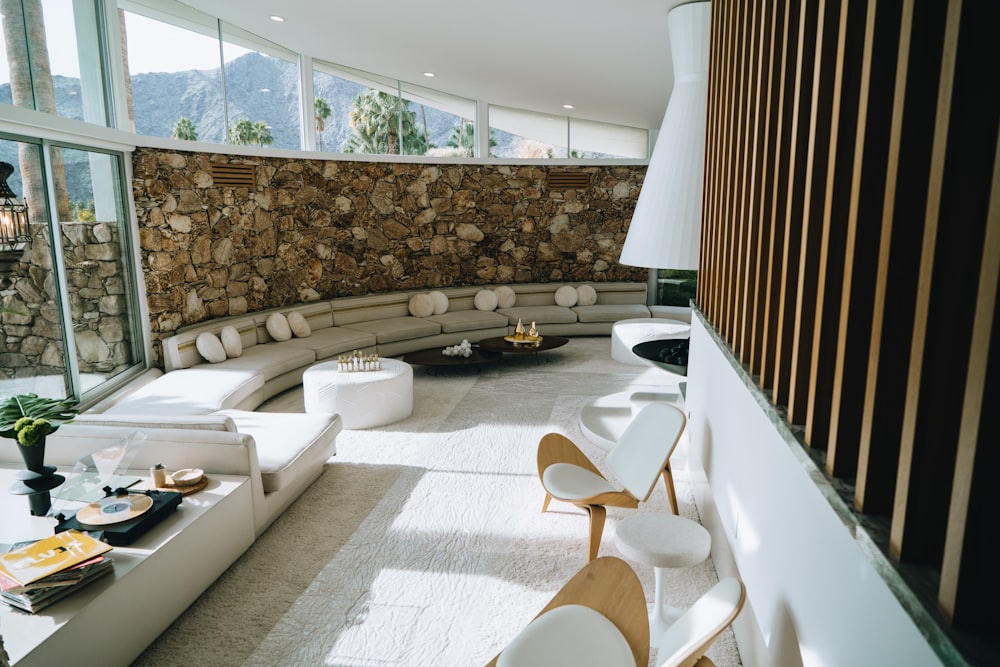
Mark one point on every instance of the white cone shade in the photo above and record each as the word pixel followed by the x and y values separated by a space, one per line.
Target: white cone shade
pixel 666 225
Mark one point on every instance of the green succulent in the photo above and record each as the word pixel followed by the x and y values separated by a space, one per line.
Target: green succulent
pixel 27 418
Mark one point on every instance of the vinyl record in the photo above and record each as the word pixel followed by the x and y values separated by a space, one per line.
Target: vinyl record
pixel 114 509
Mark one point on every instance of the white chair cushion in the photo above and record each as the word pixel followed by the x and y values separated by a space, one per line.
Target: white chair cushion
pixel 440 300
pixel 486 299
pixel 506 298
pixel 566 481
pixel 567 296
pixel 231 341
pixel 297 323
pixel 705 618
pixel 586 295
pixel 277 327
pixel 421 305
pixel 210 347
pixel 568 635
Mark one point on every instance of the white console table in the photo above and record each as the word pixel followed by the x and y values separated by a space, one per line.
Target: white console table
pixel 112 620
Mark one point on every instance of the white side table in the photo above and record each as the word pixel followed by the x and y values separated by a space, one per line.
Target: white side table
pixel 663 541
pixel 625 334
pixel 363 399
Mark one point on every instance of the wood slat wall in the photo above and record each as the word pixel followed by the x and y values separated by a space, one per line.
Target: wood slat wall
pixel 849 255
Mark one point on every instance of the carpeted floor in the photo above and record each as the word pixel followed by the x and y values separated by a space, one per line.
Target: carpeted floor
pixel 423 543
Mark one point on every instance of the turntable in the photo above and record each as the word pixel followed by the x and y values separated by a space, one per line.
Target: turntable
pixel 122 515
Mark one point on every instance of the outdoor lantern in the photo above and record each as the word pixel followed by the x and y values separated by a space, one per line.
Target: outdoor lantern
pixel 13 223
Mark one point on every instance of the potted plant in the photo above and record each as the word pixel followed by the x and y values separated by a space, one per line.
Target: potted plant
pixel 28 418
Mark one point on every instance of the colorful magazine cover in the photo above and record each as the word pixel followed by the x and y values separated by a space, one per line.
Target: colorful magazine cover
pixel 50 555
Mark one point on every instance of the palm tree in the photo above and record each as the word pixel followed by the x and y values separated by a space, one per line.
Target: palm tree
pixel 262 134
pixel 464 137
pixel 378 119
pixel 185 130
pixel 323 111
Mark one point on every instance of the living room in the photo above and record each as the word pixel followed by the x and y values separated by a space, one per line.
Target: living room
pixel 755 353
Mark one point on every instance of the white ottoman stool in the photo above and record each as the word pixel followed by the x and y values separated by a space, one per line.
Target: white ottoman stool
pixel 625 334
pixel 663 541
pixel 363 399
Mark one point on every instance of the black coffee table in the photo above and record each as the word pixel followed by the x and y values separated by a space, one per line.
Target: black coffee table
pixel 434 358
pixel 503 346
pixel 670 354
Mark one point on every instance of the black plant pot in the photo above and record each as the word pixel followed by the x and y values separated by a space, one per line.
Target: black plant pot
pixel 37 480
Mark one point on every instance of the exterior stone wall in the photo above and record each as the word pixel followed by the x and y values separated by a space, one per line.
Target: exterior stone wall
pixel 319 229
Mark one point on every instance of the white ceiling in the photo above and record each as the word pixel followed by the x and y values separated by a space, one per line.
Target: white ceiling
pixel 610 59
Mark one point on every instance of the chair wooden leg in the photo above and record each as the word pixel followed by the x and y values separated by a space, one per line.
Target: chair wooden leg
pixel 597 516
pixel 545 503
pixel 668 481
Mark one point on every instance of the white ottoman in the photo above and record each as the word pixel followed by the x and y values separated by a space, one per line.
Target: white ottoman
pixel 663 541
pixel 363 399
pixel 625 334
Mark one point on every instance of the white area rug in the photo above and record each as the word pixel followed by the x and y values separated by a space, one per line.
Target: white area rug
pixel 423 542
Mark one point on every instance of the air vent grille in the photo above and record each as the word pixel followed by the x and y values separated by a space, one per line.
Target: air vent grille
pixel 568 180
pixel 233 175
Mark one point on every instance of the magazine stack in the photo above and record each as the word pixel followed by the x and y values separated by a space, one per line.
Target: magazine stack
pixel 35 574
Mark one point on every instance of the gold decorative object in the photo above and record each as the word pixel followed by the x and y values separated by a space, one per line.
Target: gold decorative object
pixel 521 338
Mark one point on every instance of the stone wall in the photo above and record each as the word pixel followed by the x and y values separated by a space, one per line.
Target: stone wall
pixel 318 229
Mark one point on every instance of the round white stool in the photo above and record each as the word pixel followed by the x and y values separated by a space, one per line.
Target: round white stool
pixel 663 541
pixel 363 399
pixel 625 334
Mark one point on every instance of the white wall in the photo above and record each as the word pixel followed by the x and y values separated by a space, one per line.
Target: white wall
pixel 812 588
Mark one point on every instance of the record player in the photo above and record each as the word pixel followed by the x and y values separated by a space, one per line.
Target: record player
pixel 122 515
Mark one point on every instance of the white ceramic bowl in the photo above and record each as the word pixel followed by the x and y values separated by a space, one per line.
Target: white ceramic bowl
pixel 187 476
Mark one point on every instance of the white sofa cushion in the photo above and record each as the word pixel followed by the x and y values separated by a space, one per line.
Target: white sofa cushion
pixel 231 341
pixel 586 295
pixel 210 347
pixel 297 323
pixel 506 298
pixel 277 327
pixel 470 320
pixel 440 300
pixel 395 329
pixel 191 391
pixel 539 315
pixel 486 299
pixel 286 442
pixel 566 296
pixel 421 305
pixel 210 422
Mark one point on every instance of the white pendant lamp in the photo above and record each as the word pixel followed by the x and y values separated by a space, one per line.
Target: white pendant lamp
pixel 666 225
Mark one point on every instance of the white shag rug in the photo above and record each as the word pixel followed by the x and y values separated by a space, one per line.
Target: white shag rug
pixel 423 542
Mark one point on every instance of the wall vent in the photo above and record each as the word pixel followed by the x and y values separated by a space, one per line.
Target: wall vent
pixel 568 180
pixel 233 175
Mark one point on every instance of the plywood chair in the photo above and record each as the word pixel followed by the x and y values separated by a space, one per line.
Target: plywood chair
pixel 684 643
pixel 598 618
pixel 639 457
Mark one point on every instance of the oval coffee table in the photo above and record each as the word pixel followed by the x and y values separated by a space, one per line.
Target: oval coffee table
pixel 434 357
pixel 502 345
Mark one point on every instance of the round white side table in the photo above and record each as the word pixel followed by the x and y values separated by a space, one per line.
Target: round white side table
pixel 663 541
pixel 363 399
pixel 625 334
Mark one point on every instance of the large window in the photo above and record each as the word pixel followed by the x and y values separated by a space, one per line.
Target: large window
pixel 526 134
pixel 59 70
pixel 69 307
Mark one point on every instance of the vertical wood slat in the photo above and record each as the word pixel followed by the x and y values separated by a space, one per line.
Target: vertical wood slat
pixel 969 587
pixel 820 113
pixel 727 213
pixel 899 263
pixel 740 160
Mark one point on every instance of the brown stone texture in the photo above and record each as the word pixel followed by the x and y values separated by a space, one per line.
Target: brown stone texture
pixel 319 229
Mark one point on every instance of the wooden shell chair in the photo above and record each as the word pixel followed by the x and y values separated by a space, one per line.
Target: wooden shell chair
pixel 684 643
pixel 598 618
pixel 641 455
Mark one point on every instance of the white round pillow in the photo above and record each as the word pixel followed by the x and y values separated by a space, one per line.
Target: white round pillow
pixel 297 323
pixel 485 299
pixel 231 341
pixel 587 295
pixel 421 305
pixel 210 347
pixel 440 300
pixel 506 298
pixel 566 296
pixel 277 326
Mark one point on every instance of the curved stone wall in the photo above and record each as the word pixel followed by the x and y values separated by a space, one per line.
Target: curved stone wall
pixel 319 229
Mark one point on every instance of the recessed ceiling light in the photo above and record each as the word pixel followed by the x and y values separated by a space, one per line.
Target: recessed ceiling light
pixel 568 106
pixel 430 74
pixel 277 19
pixel 265 90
